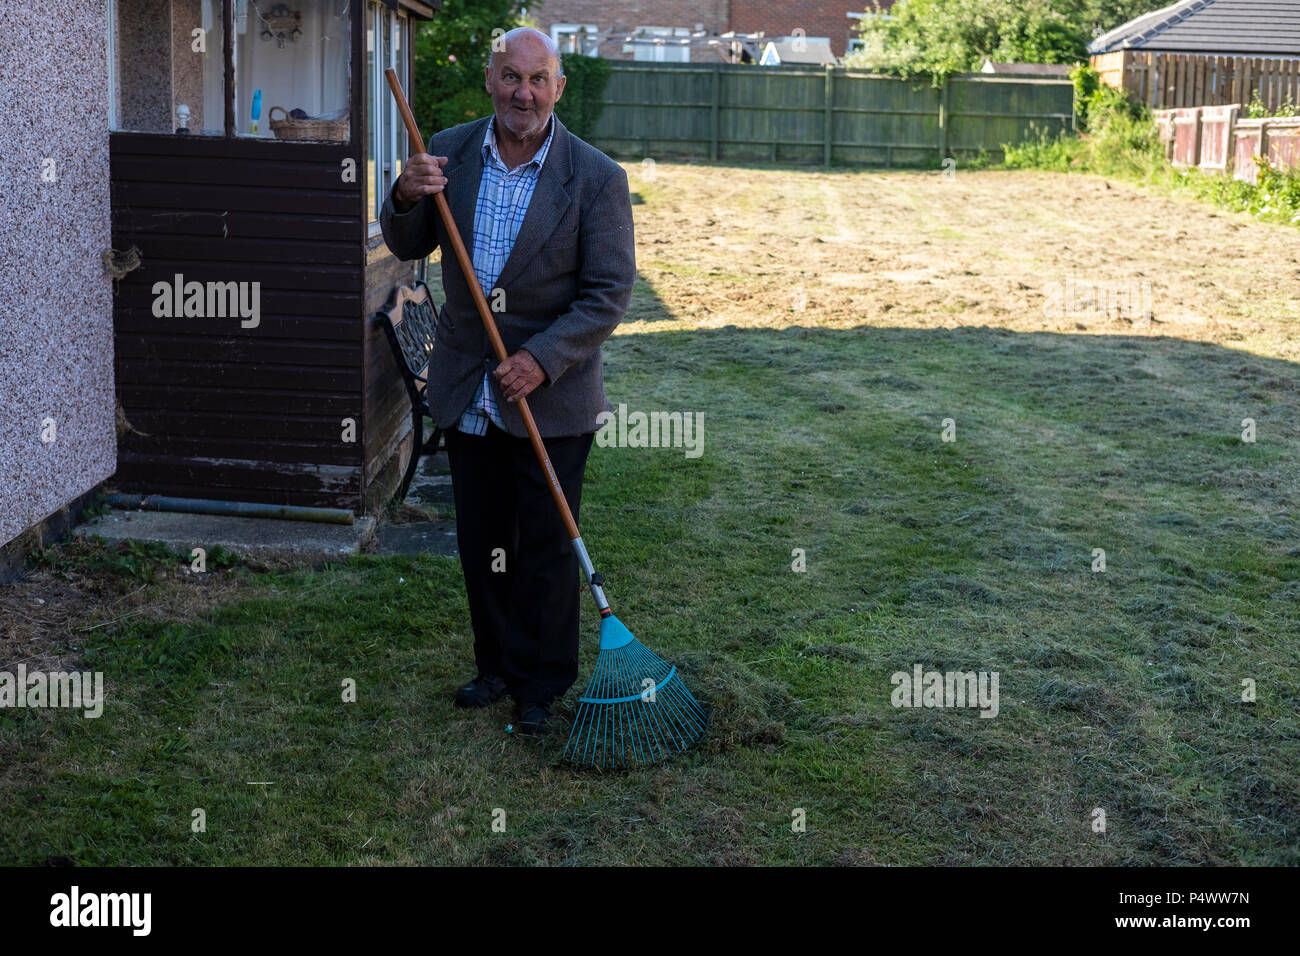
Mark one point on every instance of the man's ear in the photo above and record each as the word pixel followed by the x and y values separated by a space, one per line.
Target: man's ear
pixel 487 74
pixel 559 89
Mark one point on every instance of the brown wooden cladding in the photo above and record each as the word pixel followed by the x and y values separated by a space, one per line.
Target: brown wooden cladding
pixel 255 414
pixel 252 414
pixel 389 439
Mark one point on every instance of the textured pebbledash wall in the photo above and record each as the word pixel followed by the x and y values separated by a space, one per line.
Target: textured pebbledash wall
pixel 56 317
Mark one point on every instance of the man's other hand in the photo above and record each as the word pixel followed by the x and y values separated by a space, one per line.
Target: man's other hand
pixel 518 375
pixel 421 177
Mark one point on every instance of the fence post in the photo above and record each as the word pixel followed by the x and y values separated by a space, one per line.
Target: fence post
pixel 943 120
pixel 713 116
pixel 828 123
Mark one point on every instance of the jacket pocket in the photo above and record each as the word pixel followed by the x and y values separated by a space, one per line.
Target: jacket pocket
pixel 444 319
pixel 566 241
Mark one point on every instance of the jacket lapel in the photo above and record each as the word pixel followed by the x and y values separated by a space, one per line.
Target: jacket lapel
pixel 464 172
pixel 545 209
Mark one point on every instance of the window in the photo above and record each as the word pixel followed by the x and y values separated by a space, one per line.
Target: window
pixel 296 56
pixel 577 38
pixel 386 139
pixel 167 67
pixel 662 44
pixel 166 70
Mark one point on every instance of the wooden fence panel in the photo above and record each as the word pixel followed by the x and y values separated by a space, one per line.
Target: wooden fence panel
pixel 1183 80
pixel 1247 143
pixel 809 115
pixel 1216 137
pixel 1284 142
pixel 767 116
pixel 1004 111
pixel 882 121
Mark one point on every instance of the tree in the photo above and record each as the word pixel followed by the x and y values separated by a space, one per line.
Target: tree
pixel 940 37
pixel 450 53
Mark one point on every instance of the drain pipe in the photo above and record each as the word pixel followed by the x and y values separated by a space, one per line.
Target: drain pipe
pixel 237 509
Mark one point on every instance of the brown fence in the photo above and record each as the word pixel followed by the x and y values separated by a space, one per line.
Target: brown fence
pixel 1217 139
pixel 1177 80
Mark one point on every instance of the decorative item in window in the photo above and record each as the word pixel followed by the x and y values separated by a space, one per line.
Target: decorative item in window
pixel 281 24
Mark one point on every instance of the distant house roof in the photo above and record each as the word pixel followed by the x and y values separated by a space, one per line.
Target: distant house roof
pixel 1245 27
pixel 1026 69
pixel 797 50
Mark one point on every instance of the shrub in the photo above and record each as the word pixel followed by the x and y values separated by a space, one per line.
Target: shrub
pixel 1122 141
pixel 1043 150
pixel 450 53
pixel 584 93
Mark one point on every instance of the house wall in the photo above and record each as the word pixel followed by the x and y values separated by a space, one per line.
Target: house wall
pixel 816 18
pixel 56 318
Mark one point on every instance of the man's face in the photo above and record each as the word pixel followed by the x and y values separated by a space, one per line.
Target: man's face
pixel 523 84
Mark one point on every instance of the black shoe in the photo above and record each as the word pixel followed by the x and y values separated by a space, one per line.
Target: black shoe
pixel 533 715
pixel 483 691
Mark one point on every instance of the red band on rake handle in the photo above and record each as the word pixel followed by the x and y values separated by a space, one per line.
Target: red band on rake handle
pixel 467 267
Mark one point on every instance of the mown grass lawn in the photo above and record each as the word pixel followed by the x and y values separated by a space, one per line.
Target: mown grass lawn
pixel 1120 690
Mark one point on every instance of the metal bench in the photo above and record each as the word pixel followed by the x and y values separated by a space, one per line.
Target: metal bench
pixel 408 320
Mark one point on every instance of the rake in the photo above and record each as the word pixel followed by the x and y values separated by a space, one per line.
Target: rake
pixel 636 709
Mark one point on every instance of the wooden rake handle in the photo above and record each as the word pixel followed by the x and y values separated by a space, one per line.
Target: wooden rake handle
pixel 485 313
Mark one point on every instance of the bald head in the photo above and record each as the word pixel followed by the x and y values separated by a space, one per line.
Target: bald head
pixel 527 35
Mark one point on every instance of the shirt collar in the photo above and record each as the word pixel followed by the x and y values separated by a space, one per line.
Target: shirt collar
pixel 490 143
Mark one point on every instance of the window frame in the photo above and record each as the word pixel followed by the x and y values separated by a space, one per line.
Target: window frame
pixel 655 41
pixel 562 32
pixel 397 54
pixel 229 125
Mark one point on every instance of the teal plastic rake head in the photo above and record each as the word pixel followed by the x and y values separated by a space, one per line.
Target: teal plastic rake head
pixel 636 710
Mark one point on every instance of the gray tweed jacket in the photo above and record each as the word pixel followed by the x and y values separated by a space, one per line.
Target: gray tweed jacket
pixel 567 282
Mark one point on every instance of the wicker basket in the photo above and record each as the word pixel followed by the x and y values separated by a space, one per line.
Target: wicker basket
pixel 291 128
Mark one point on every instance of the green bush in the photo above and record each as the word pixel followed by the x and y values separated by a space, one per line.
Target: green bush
pixel 584 93
pixel 1087 82
pixel 1121 141
pixel 940 37
pixel 450 53
pixel 1043 150
pixel 1274 197
pixel 1256 109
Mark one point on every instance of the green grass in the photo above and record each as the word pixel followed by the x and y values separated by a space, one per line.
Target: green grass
pixel 1119 690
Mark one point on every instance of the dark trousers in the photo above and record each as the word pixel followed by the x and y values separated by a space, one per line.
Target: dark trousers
pixel 523 598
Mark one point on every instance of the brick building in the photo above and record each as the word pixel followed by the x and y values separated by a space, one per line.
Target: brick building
pixel 815 18
pixel 687 31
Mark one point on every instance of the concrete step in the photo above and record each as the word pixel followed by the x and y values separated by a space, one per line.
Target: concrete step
pixel 270 541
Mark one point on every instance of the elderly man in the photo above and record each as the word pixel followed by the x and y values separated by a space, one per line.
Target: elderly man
pixel 547 220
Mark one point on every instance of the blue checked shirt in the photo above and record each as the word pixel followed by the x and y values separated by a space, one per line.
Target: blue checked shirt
pixel 503 198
